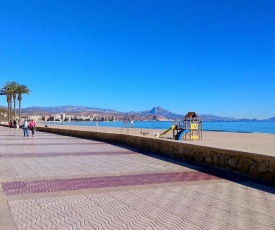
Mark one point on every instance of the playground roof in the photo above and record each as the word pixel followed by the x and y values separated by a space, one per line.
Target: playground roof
pixel 191 115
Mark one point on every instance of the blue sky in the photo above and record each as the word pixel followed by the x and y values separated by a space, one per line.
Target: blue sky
pixel 212 57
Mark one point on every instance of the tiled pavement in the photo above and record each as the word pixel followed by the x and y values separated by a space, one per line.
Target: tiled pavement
pixel 57 182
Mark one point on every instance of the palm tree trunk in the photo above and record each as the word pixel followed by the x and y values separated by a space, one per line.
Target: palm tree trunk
pixel 19 106
pixel 14 105
pixel 14 108
pixel 9 109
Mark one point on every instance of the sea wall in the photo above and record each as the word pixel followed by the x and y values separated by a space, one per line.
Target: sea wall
pixel 255 165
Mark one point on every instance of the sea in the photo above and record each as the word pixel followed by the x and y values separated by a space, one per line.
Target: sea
pixel 267 127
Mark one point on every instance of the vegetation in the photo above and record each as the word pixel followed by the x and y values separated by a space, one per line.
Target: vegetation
pixel 13 90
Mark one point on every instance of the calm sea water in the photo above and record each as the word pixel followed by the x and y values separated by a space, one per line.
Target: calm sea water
pixel 242 127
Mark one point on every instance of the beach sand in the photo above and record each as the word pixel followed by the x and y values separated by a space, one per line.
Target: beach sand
pixel 247 142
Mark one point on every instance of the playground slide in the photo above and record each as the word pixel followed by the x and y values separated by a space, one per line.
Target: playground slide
pixel 180 134
pixel 162 134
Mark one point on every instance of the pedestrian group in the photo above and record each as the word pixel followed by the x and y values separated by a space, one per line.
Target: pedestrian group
pixel 26 126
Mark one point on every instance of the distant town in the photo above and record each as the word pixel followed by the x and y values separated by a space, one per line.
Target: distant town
pixel 77 114
pixel 65 117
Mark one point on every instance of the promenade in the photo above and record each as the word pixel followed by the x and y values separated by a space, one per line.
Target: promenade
pixel 57 182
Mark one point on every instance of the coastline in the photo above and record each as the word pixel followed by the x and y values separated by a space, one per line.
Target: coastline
pixel 220 126
pixel 258 143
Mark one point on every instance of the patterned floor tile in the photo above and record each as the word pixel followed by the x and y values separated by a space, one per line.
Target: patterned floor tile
pixel 155 208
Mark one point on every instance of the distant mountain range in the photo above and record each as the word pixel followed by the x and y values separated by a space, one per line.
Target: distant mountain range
pixel 157 113
pixel 271 119
pixel 66 109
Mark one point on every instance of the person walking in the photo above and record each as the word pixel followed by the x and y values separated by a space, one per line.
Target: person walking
pixel 25 127
pixel 32 126
pixel 10 123
pixel 14 124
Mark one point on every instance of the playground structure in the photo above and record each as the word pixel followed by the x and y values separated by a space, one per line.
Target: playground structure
pixel 191 129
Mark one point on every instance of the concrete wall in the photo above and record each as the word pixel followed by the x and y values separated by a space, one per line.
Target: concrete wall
pixel 254 165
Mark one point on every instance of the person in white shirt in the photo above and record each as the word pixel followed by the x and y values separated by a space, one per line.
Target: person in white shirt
pixel 25 127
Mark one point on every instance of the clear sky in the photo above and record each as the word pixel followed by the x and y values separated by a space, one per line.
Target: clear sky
pixel 212 57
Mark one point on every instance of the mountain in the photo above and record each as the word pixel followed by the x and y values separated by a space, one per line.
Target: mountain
pixel 3 107
pixel 163 113
pixel 66 109
pixel 158 110
pixel 209 117
pixel 156 113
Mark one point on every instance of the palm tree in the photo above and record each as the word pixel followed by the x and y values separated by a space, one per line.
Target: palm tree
pixel 22 89
pixel 7 91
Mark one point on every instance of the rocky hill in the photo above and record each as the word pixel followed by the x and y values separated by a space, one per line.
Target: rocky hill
pixel 208 117
pixel 163 112
pixel 156 113
pixel 66 109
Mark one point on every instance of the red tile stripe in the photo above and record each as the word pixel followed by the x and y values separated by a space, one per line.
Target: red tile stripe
pixel 57 185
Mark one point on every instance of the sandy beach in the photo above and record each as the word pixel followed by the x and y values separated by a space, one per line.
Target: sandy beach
pixel 247 142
